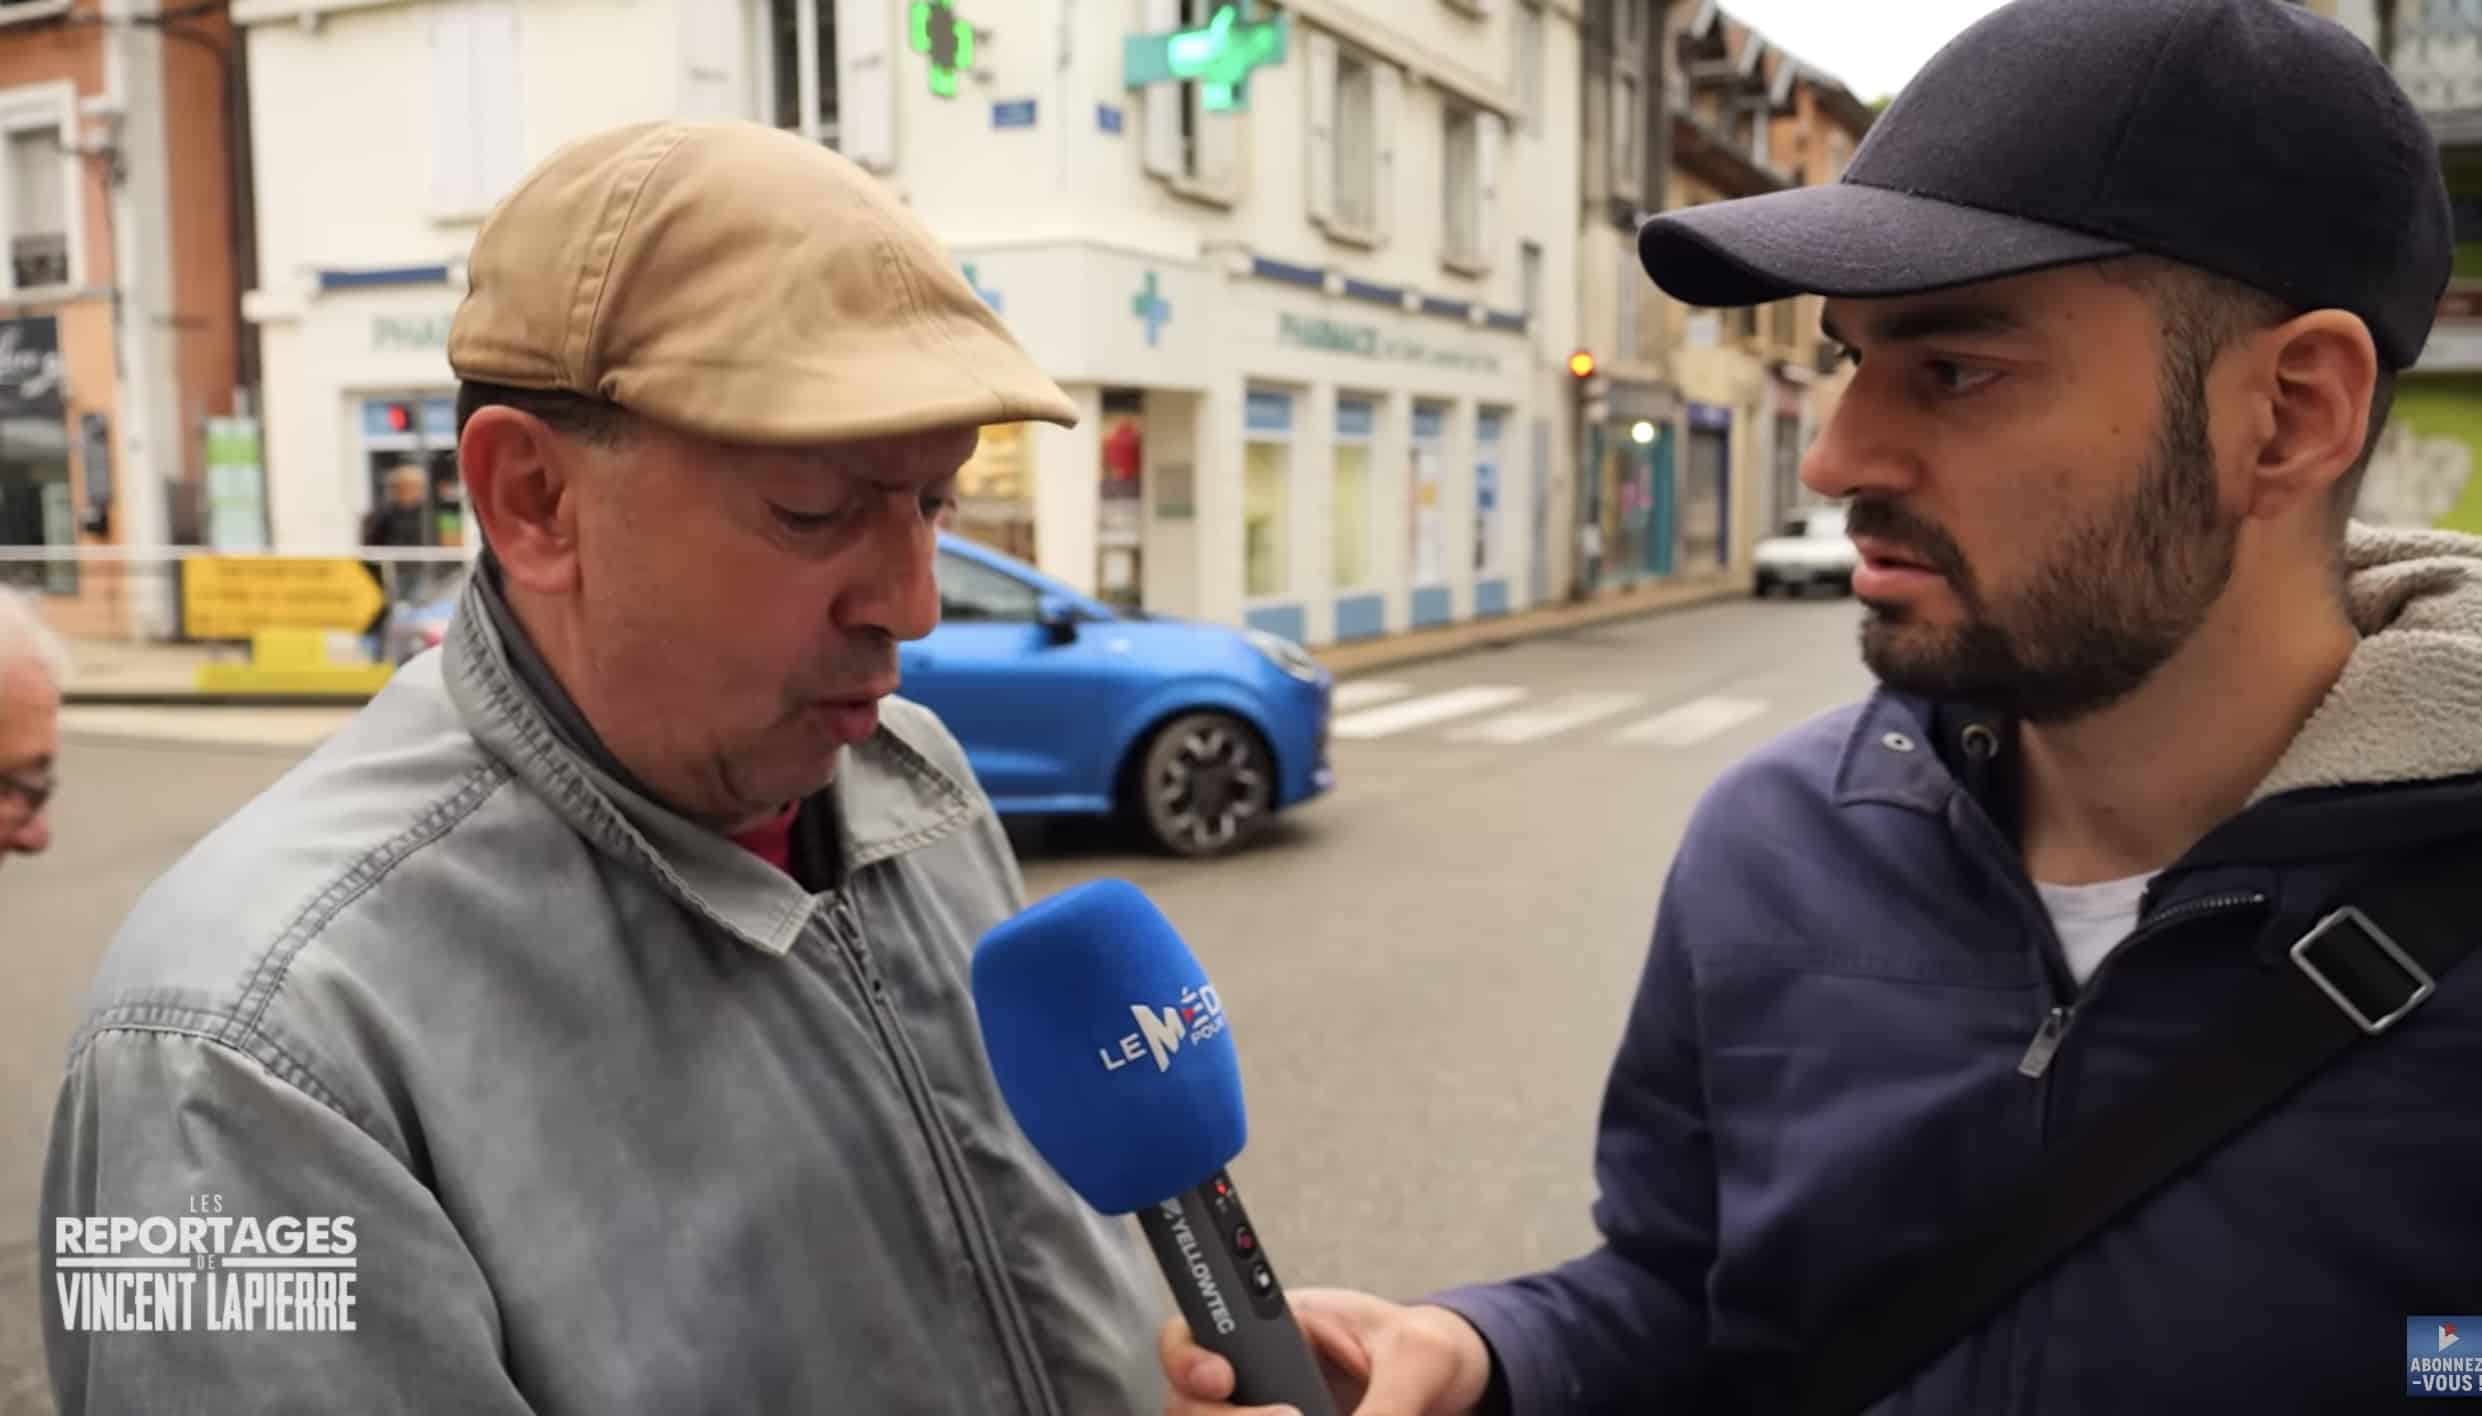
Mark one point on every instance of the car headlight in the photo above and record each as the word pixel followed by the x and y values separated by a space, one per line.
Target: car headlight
pixel 1284 654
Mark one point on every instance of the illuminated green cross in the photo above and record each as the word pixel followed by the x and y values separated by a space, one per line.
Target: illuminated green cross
pixel 948 41
pixel 1220 57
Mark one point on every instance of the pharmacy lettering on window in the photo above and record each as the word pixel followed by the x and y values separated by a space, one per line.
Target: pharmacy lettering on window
pixel 1370 342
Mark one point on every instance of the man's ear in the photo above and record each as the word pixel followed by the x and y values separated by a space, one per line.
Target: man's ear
pixel 521 480
pixel 2320 375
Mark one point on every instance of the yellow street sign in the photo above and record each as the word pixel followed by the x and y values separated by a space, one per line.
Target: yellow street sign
pixel 234 597
pixel 295 663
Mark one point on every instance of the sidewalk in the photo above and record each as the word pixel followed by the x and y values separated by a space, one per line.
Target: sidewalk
pixel 149 693
pixel 1346 660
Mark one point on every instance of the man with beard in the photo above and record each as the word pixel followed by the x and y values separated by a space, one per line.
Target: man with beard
pixel 2127 283
pixel 598 1000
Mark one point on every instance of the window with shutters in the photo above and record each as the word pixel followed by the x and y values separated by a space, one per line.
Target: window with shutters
pixel 1460 186
pixel 1357 142
pixel 1195 149
pixel 38 184
pixel 1529 86
pixel 828 72
pixel 802 44
pixel 1628 99
pixel 1354 99
pixel 476 150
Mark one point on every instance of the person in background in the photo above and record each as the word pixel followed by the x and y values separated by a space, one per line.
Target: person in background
pixel 34 668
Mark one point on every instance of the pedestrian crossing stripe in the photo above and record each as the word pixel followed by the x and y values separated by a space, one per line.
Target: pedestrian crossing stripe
pixel 1390 712
pixel 1692 723
pixel 1411 713
pixel 1558 716
pixel 1365 693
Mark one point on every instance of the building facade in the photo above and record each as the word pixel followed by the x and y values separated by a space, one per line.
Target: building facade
pixel 1313 303
pixel 1693 422
pixel 122 339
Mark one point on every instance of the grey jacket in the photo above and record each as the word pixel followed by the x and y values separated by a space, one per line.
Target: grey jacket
pixel 625 1119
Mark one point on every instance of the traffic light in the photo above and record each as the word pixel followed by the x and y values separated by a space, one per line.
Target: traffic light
pixel 1581 365
pixel 399 417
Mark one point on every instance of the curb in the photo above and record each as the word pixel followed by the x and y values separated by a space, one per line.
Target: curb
pixel 1639 601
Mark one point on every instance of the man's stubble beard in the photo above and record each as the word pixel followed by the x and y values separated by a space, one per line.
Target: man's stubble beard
pixel 2109 602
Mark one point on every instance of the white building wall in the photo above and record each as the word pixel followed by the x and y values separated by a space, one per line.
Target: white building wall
pixel 1022 174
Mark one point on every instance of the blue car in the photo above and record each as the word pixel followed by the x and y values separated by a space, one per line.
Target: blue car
pixel 1197 733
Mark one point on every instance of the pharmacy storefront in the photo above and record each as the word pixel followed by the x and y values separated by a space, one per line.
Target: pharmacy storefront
pixel 359 394
pixel 1265 445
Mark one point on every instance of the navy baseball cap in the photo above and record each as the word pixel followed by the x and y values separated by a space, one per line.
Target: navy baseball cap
pixel 2249 138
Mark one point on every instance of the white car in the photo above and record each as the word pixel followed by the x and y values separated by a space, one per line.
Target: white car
pixel 1813 550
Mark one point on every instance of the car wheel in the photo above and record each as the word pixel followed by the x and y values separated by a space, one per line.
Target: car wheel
pixel 1206 785
pixel 1762 587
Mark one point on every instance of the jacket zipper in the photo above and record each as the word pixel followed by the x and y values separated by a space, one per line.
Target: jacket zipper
pixel 1033 1395
pixel 2036 1063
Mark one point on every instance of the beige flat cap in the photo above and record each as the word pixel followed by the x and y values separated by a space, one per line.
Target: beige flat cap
pixel 740 283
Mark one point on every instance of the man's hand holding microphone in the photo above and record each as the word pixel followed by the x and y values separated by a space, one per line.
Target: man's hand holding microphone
pixel 1380 1359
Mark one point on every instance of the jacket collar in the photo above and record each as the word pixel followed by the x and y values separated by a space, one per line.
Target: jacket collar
pixel 1909 752
pixel 888 795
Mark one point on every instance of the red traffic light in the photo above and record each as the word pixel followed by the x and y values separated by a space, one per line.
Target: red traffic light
pixel 400 418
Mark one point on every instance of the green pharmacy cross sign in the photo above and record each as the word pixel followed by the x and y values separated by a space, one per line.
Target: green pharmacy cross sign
pixel 948 41
pixel 1220 57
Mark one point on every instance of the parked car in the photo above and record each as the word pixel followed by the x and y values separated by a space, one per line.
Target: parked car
pixel 1812 551
pixel 1199 734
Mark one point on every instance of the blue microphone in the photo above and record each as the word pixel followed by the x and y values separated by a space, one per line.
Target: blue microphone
pixel 1113 1052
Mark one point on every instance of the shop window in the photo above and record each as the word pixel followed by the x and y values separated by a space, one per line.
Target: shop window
pixel 1120 521
pixel 36 503
pixel 1356 421
pixel 35 500
pixel 1427 494
pixel 413 498
pixel 1266 495
pixel 995 496
pixel 1490 493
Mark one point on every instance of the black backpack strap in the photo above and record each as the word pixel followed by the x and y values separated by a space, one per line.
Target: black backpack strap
pixel 2357 974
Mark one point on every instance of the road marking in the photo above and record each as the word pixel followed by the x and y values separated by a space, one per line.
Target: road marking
pixel 1691 723
pixel 1422 712
pixel 205 725
pixel 1558 716
pixel 1366 693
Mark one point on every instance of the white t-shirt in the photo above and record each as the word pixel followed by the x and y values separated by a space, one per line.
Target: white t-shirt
pixel 2091 920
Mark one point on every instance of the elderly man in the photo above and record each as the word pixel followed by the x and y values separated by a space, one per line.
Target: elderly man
pixel 609 973
pixel 33 666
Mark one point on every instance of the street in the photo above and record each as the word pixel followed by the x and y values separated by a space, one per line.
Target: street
pixel 1427 971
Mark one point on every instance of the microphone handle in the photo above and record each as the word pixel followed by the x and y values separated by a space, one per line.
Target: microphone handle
pixel 1219 1272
